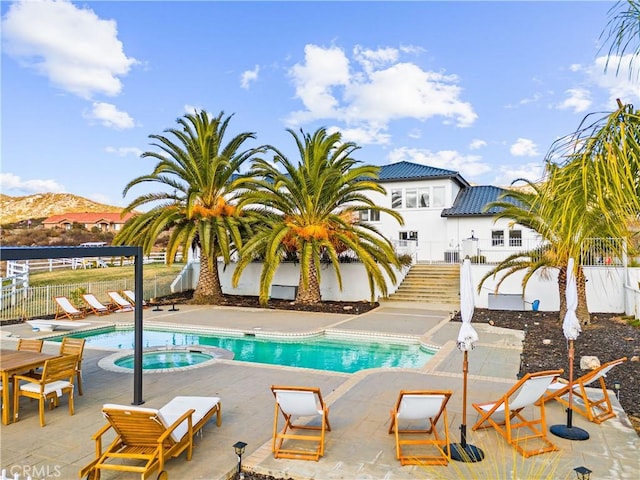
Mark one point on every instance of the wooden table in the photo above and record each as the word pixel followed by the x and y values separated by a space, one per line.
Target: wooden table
pixel 14 362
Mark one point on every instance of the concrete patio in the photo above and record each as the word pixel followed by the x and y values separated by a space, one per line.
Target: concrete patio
pixel 358 447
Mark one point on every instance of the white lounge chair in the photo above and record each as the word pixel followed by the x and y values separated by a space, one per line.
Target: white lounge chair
pixel 131 297
pixel 95 305
pixel 66 309
pixel 595 405
pixel 119 303
pixel 299 402
pixel 500 414
pixel 419 411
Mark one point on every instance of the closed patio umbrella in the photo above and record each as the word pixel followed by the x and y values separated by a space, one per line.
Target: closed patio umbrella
pixel 467 337
pixel 571 329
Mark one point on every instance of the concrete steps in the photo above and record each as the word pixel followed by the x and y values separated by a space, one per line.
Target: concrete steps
pixel 428 283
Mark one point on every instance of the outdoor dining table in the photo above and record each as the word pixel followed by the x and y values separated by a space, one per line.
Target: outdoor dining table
pixel 14 362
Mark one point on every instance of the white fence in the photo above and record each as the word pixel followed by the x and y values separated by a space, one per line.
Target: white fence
pixel 33 302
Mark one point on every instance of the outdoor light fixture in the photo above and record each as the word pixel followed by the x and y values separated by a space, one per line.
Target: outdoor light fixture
pixel 616 387
pixel 239 449
pixel 583 473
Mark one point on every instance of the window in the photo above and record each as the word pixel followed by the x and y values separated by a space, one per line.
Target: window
pixel 438 197
pixel 515 238
pixel 497 238
pixel 424 197
pixel 396 198
pixel 411 198
pixel 409 236
pixel 370 216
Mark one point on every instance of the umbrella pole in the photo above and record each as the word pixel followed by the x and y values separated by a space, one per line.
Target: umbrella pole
pixel 463 452
pixel 568 431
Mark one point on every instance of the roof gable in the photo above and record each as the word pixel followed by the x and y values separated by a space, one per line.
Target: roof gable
pixel 414 171
pixel 471 201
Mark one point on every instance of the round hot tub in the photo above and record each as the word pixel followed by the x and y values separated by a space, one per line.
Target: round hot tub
pixel 165 359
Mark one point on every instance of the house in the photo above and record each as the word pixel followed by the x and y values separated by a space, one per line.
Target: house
pixel 105 221
pixel 444 216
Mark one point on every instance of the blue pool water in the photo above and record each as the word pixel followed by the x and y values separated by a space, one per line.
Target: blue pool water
pixel 347 356
pixel 165 359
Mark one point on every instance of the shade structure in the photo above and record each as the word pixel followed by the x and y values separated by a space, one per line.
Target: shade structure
pixel 467 337
pixel 571 329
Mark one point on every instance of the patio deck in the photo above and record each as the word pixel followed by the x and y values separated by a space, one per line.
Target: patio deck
pixel 358 447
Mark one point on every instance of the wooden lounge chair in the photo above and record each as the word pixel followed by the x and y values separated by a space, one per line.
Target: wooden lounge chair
pixel 501 414
pixel 413 408
pixel 597 408
pixel 131 297
pixel 299 402
pixel 56 379
pixel 66 309
pixel 95 305
pixel 118 303
pixel 149 435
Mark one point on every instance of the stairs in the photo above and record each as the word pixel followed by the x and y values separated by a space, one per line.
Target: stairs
pixel 430 283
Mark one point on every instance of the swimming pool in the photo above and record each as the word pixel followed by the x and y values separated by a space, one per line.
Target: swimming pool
pixel 322 353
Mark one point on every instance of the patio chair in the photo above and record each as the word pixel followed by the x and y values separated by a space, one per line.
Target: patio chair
pixel 299 402
pixel 501 413
pixel 149 435
pixel 56 380
pixel 66 309
pixel 95 305
pixel 595 407
pixel 131 297
pixel 413 408
pixel 74 346
pixel 118 303
pixel 30 345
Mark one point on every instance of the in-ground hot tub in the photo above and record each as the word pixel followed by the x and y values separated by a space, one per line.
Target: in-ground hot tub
pixel 165 359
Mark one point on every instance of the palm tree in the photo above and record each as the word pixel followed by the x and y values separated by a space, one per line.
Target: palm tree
pixel 310 213
pixel 522 207
pixel 199 208
pixel 623 34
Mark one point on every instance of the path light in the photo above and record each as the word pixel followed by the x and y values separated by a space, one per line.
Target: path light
pixel 239 449
pixel 583 473
pixel 616 387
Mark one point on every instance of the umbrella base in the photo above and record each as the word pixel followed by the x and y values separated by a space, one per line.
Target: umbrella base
pixel 467 453
pixel 570 433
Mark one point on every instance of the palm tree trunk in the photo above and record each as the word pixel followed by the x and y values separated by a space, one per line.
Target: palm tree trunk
pixel 208 291
pixel 310 294
pixel 582 312
pixel 562 290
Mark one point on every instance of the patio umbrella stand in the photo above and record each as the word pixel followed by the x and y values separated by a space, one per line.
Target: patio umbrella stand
pixel 571 329
pixel 463 452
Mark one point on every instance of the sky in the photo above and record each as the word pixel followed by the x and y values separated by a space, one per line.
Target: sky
pixel 482 88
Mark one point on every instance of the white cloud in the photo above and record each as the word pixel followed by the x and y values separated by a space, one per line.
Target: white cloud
pixel 124 151
pixel 71 46
pixel 13 184
pixel 249 76
pixel 524 148
pixel 373 90
pixel 467 165
pixel 508 173
pixel 191 109
pixel 109 116
pixel 364 136
pixel 620 79
pixel 476 144
pixel 415 133
pixel 578 100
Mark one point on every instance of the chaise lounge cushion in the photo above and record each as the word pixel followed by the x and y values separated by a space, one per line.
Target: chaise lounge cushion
pixel 170 412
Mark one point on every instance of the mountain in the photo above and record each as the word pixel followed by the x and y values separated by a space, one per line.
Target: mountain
pixel 43 205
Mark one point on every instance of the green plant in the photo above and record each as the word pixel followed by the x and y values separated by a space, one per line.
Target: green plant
pixel 405 260
pixel 76 295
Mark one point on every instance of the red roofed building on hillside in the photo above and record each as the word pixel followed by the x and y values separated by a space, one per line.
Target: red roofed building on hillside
pixel 106 222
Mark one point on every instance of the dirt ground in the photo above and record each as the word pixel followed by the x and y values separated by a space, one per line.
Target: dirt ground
pixel 608 337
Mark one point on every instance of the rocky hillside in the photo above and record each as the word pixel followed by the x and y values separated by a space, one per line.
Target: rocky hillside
pixel 43 205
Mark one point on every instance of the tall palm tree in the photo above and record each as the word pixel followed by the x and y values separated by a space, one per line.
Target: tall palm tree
pixel 522 207
pixel 198 207
pixel 310 213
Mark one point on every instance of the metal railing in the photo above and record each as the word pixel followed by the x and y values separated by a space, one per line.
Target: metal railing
pixel 32 302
